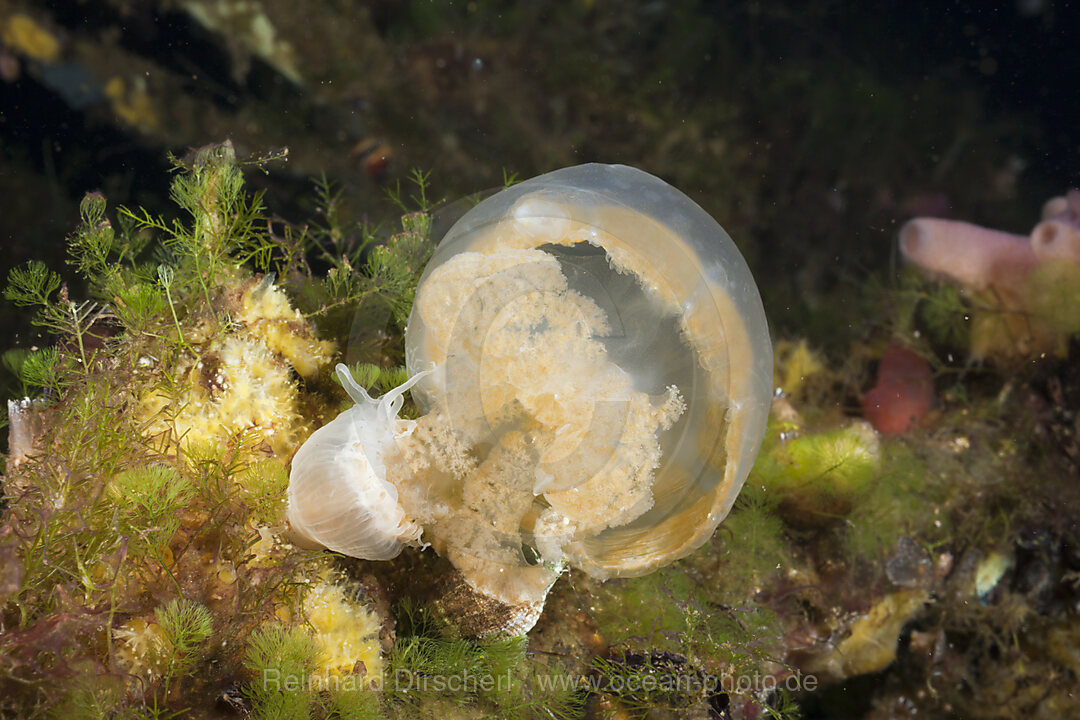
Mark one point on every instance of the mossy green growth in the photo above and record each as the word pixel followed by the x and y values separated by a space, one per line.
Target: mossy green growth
pixel 878 488
pixel 644 606
pixel 127 538
pixel 936 308
pixel 691 648
pixel 431 668
pixel 1052 291
pixel 796 367
pixel 901 500
pixel 817 478
pixel 186 627
pixel 985 325
pixel 371 281
pixel 282 663
pixel 148 500
pixel 752 545
pixel 264 489
pixel 91 697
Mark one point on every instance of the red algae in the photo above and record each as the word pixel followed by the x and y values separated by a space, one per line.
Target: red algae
pixel 903 394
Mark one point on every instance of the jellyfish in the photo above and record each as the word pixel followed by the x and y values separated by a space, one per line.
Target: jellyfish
pixel 592 362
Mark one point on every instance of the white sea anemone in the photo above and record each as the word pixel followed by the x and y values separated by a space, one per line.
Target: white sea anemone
pixel 339 497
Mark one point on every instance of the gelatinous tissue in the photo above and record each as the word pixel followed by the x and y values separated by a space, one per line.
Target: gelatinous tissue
pixel 593 364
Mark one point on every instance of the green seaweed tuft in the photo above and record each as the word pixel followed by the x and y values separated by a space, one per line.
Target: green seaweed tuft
pixel 186 625
pixel 816 478
pixel 263 487
pixel 147 501
pixel 280 660
pixel 899 501
pixel 751 544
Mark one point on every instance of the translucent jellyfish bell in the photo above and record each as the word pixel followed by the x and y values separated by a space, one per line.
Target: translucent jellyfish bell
pixel 601 334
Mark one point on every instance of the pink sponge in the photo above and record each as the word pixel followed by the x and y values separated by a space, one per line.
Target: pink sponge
pixel 1057 237
pixel 1026 284
pixel 976 257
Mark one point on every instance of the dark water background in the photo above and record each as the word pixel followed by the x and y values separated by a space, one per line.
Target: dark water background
pixel 809 129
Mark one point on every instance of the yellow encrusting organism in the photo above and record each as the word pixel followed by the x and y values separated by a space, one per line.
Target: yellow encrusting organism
pixel 347 633
pixel 796 362
pixel 132 103
pixel 25 35
pixel 242 382
pixel 141 648
pixel 267 314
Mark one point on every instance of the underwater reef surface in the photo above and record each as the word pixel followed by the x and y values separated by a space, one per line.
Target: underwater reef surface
pixel 148 568
pixel 908 538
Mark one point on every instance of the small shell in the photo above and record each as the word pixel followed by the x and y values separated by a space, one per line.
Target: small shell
pixel 338 494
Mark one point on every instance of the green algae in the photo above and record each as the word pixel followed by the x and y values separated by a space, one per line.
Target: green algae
pixel 107 527
pixel 124 547
pixel 752 546
pixel 818 476
pixel 432 667
pixel 900 500
pixel 673 646
pixel 144 574
pixel 1053 293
